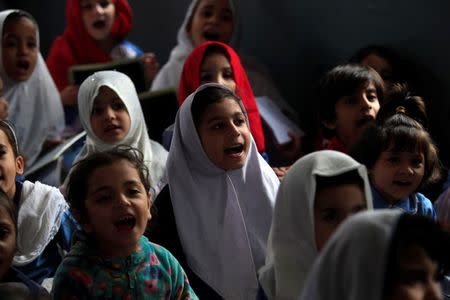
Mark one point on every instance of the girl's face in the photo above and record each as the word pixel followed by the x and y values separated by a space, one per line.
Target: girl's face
pixel 224 134
pixel 19 48
pixel 396 175
pixel 353 113
pixel 110 120
pixel 9 166
pixel 416 276
pixel 216 68
pixel 7 241
pixel 117 207
pixel 98 17
pixel 332 205
pixel 212 21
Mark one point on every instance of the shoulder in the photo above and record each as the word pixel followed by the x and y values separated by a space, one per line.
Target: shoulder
pixel 425 206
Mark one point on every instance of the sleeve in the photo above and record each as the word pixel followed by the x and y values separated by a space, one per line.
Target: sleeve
pixel 65 233
pixel 181 287
pixel 426 208
pixel 71 282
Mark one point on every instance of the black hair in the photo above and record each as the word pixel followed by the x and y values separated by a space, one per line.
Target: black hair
pixel 207 96
pixel 81 172
pixel 350 177
pixel 16 15
pixel 7 128
pixel 421 231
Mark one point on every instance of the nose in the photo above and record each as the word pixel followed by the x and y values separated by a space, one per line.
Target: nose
pixel 98 9
pixel 122 200
pixel 23 49
pixel 407 169
pixel 234 130
pixel 109 113
pixel 365 103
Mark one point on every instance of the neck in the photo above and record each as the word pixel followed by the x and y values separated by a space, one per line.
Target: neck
pixel 108 250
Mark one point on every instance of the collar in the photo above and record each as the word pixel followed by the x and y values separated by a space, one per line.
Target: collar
pixel 407 204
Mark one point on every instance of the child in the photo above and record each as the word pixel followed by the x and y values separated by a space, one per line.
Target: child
pixel 95 33
pixel 349 99
pixel 13 283
pixel 44 227
pixel 381 255
pixel 215 213
pixel 216 20
pixel 34 105
pixel 320 191
pixel 111 114
pixel 400 154
pixel 108 194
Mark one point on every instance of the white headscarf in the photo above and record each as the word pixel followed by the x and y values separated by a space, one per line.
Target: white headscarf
pixel 155 155
pixel 35 107
pixel 346 268
pixel 292 246
pixel 169 75
pixel 223 218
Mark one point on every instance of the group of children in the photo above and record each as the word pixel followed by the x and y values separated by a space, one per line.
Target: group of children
pixel 210 217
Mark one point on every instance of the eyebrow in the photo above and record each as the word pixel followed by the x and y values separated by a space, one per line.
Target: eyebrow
pixel 371 90
pixel 218 118
pixel 4 224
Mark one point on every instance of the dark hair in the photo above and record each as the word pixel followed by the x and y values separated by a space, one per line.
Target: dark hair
pixel 398 130
pixel 207 96
pixel 8 205
pixel 345 80
pixel 421 231
pixel 350 177
pixel 16 15
pixel 7 128
pixel 388 54
pixel 81 172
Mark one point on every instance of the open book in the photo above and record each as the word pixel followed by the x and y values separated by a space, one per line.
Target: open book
pixel 278 122
pixel 159 108
pixel 53 154
pixel 133 67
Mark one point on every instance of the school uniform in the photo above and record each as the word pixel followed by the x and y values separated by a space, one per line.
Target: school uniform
pixel 34 105
pixel 222 217
pixel 292 249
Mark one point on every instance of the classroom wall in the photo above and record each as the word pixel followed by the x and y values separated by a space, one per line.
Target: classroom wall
pixel 298 40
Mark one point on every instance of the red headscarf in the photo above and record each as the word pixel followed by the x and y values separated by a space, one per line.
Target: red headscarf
pixel 75 46
pixel 190 81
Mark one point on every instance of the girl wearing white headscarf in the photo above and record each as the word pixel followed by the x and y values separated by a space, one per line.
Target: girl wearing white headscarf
pixel 382 254
pixel 155 155
pixel 220 218
pixel 292 246
pixel 34 104
pixel 170 74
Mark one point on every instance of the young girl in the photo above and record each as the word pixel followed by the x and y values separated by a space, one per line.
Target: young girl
pixel 349 99
pixel 44 227
pixel 320 191
pixel 216 20
pixel 95 33
pixel 400 155
pixel 34 105
pixel 111 114
pixel 13 283
pixel 108 194
pixel 215 213
pixel 381 255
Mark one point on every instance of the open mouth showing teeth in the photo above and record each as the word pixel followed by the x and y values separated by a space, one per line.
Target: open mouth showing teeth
pixel 210 36
pixel 234 150
pixel 99 24
pixel 125 223
pixel 24 65
pixel 111 128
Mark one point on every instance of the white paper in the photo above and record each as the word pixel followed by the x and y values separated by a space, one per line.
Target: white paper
pixel 278 123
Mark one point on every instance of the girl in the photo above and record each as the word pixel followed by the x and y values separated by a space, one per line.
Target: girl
pixel 400 154
pixel 44 227
pixel 318 193
pixel 216 20
pixel 349 99
pixel 108 194
pixel 111 114
pixel 411 256
pixel 95 33
pixel 13 283
pixel 215 213
pixel 34 104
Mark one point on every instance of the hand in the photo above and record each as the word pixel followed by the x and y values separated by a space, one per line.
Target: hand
pixel 3 109
pixel 281 171
pixel 151 66
pixel 69 95
pixel 292 150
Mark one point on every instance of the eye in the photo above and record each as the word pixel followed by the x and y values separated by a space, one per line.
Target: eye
pixel 104 4
pixel 239 121
pixel 394 160
pixel 31 44
pixel 228 74
pixel 205 77
pixel 10 43
pixel 207 12
pixel 330 215
pixel 372 97
pixel 349 100
pixel 4 233
pixel 103 198
pixel 86 5
pixel 226 17
pixel 133 191
pixel 218 126
pixel 97 110
pixel 417 161
pixel 118 105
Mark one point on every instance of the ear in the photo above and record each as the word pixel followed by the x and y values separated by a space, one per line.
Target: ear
pixel 149 202
pixel 20 165
pixel 331 125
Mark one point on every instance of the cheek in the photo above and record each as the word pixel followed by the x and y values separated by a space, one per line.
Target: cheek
pixel 323 231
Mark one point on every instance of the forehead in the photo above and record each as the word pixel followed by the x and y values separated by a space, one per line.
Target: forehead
pixel 5 217
pixel 215 58
pixel 21 25
pixel 343 195
pixel 105 95
pixel 117 172
pixel 221 4
pixel 225 107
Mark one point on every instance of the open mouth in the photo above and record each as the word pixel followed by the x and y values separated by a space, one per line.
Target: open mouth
pixel 364 121
pixel 402 183
pixel 112 128
pixel 125 223
pixel 211 36
pixel 100 24
pixel 234 150
pixel 23 65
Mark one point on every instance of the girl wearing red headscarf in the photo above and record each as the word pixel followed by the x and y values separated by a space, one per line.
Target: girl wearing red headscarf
pixel 217 62
pixel 95 33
